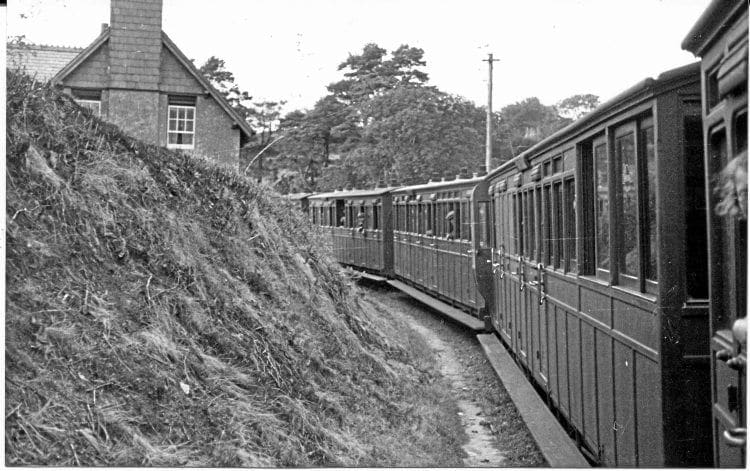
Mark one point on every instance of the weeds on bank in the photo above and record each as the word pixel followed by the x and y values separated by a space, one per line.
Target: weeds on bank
pixel 165 311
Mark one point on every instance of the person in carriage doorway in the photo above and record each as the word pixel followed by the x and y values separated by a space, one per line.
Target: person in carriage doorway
pixel 450 219
pixel 361 221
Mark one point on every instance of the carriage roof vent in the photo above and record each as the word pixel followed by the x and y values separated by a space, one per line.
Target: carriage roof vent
pixel 464 173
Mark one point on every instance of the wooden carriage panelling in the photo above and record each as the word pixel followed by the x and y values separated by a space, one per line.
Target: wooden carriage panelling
pixel 432 240
pixel 590 235
pixel 359 224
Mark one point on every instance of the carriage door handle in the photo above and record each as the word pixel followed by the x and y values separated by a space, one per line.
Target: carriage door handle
pixel 735 437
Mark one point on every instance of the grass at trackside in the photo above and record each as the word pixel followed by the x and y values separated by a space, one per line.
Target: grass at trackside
pixel 164 311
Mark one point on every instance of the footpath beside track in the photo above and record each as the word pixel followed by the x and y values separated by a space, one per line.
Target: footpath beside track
pixel 557 447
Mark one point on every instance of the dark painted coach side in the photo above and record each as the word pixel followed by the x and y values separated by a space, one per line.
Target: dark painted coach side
pixel 359 226
pixel 433 247
pixel 593 234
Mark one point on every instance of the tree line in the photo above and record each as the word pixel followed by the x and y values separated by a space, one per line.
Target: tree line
pixel 383 121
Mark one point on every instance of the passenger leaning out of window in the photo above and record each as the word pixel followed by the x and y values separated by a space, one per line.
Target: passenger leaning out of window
pixel 360 222
pixel 450 218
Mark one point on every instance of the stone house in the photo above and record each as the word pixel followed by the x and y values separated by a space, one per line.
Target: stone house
pixel 134 76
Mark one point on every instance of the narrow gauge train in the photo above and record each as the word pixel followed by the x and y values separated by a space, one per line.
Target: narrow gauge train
pixel 597 261
pixel 432 239
pixel 359 225
pixel 600 286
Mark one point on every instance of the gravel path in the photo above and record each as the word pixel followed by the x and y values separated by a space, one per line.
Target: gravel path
pixel 497 437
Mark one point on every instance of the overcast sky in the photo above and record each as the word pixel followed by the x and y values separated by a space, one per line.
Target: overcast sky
pixel 290 49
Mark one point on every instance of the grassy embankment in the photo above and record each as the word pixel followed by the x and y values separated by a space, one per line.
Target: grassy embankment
pixel 164 311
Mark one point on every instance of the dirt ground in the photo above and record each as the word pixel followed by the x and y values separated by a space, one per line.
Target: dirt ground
pixel 496 435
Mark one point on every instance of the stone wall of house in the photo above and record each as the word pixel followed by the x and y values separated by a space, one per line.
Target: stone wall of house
pixel 216 139
pixel 215 135
pixel 137 113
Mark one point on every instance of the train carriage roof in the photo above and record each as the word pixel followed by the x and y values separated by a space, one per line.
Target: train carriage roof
pixel 640 91
pixel 296 196
pixel 349 194
pixel 712 23
pixel 440 185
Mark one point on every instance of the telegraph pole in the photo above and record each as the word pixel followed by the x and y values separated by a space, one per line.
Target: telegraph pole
pixel 488 155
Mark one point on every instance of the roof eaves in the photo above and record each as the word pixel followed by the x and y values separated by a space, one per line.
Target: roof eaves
pixel 206 84
pixel 82 56
pixel 711 23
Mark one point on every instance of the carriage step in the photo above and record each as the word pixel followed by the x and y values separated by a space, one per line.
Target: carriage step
pixel 451 312
pixel 556 446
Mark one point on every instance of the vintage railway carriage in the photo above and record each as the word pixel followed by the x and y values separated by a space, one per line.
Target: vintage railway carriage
pixel 358 223
pixel 720 38
pixel 432 239
pixel 299 199
pixel 600 286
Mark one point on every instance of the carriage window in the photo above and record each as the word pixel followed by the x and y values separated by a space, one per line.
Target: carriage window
pixel 376 217
pixel 712 88
pixel 467 217
pixel 496 222
pixel 538 225
pixel 547 226
pixel 483 230
pixel 521 223
pixel 570 225
pixel 601 173
pixel 430 216
pixel 339 213
pixel 558 224
pixel 740 133
pixel 368 217
pixel 530 226
pixel 627 204
pixel 649 189
pixel 696 250
pixel 456 220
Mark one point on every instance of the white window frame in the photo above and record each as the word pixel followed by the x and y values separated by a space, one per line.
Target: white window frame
pixel 90 105
pixel 169 120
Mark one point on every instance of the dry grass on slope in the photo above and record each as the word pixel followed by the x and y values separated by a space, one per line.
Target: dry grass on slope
pixel 164 311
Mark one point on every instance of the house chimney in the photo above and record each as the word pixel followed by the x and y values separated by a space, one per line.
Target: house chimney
pixel 135 44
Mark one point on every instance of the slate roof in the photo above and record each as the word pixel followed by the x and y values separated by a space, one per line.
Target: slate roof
pixel 40 61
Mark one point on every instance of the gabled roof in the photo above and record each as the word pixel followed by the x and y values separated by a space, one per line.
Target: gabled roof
pixel 171 47
pixel 206 84
pixel 39 60
pixel 80 58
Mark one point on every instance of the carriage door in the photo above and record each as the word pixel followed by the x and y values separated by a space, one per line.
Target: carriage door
pixel 728 300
